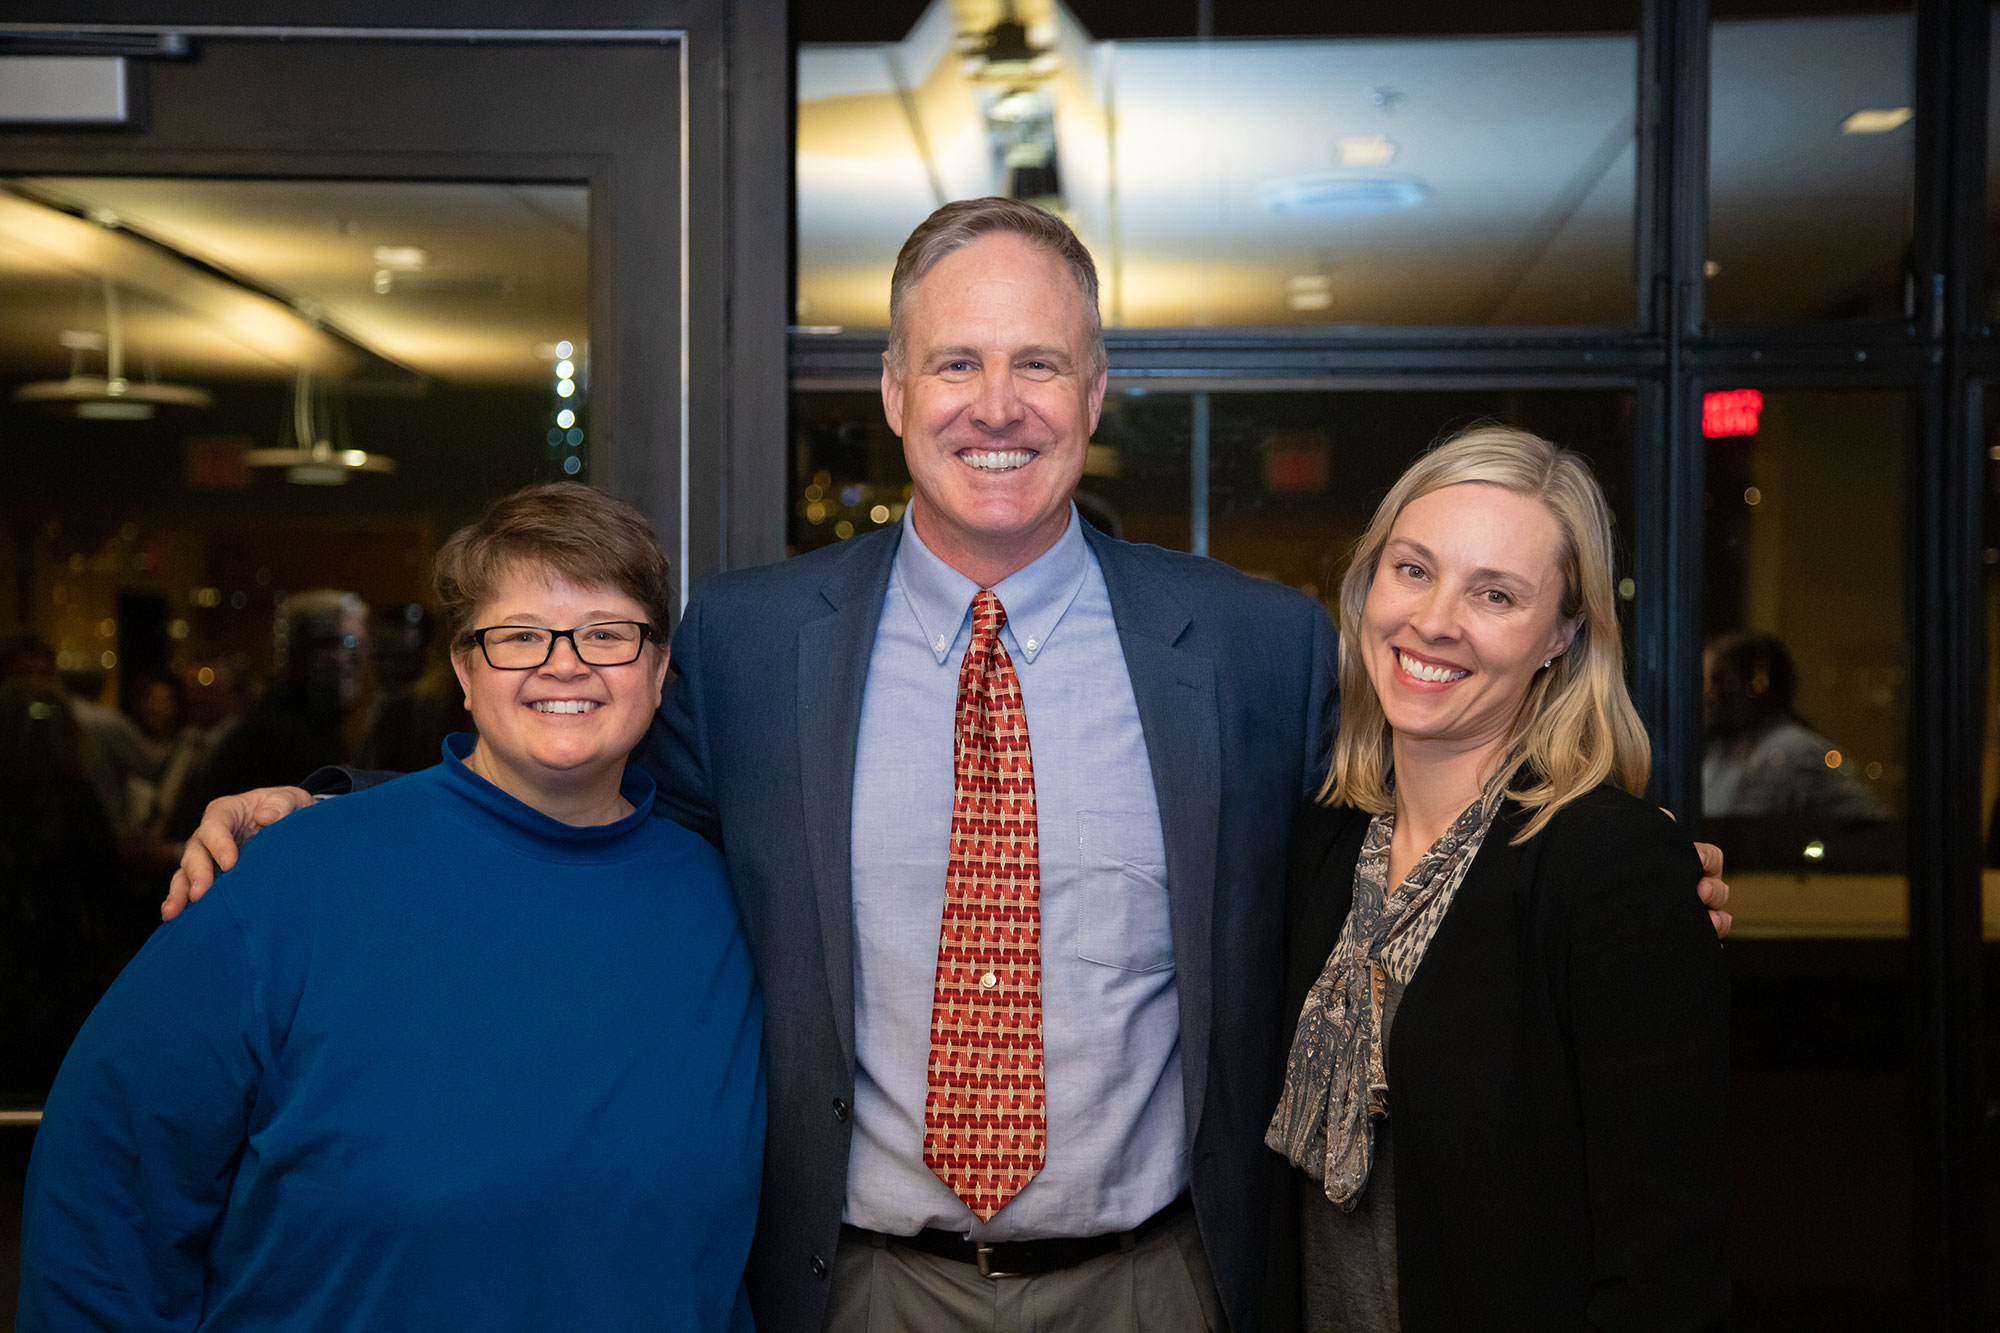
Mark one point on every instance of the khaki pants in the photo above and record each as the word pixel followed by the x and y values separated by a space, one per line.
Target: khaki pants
pixel 1160 1285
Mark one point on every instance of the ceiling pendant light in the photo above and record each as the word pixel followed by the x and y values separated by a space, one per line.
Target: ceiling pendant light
pixel 110 396
pixel 313 458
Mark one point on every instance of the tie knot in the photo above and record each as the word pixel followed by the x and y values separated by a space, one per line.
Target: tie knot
pixel 987 614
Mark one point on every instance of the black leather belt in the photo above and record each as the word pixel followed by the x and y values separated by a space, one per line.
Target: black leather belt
pixel 1023 1258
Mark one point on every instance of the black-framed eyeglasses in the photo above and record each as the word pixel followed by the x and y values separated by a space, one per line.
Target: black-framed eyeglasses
pixel 525 647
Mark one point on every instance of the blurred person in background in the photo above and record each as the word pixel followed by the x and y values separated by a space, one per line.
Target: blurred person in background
pixel 158 707
pixel 67 915
pixel 116 754
pixel 25 655
pixel 418 703
pixel 1760 758
pixel 317 641
pixel 477 1048
pixel 218 691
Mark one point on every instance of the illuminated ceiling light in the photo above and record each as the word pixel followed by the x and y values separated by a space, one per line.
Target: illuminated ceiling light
pixel 564 349
pixel 1330 196
pixel 1879 120
pixel 407 258
pixel 1006 53
pixel 1367 150
pixel 564 388
pixel 110 396
pixel 1309 300
pixel 385 282
pixel 565 369
pixel 1308 282
pixel 1017 104
pixel 311 459
pixel 565 418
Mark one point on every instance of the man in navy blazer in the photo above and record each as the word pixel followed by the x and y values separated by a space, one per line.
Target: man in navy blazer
pixel 994 382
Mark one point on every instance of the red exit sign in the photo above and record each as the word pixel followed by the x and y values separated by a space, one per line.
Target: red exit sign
pixel 1730 412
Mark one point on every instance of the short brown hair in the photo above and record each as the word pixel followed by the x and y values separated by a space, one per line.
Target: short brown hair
pixel 963 221
pixel 573 531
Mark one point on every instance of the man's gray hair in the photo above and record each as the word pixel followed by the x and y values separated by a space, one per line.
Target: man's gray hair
pixel 963 221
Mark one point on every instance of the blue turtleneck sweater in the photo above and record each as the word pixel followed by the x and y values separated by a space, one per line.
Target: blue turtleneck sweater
pixel 426 1059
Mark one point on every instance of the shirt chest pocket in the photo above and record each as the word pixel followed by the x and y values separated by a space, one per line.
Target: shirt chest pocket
pixel 1125 921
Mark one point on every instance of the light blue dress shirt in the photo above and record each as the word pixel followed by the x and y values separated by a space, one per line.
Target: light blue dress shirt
pixel 1117 1150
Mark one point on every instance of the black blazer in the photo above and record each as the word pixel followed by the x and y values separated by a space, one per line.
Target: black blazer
pixel 1557 1074
pixel 755 748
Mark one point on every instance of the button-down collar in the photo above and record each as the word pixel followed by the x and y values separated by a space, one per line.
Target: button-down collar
pixel 1035 596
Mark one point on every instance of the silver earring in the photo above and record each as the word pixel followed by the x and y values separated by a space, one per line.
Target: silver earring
pixel 1546 665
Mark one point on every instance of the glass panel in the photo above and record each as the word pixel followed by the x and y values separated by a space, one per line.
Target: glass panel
pixel 1423 188
pixel 1803 787
pixel 1811 161
pixel 1287 480
pixel 239 416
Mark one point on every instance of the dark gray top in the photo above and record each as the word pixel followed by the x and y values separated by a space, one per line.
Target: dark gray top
pixel 1349 1259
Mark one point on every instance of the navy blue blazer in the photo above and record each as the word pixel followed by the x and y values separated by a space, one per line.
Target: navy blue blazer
pixel 755 748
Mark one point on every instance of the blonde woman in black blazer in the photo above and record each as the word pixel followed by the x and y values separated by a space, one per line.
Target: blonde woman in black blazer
pixel 1505 1094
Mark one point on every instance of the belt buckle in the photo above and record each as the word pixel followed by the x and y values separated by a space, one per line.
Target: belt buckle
pixel 984 1251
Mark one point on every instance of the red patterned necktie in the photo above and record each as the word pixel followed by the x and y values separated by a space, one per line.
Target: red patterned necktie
pixel 985 1127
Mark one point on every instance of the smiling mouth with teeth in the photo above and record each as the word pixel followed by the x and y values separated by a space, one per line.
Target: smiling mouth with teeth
pixel 1436 675
pixel 563 705
pixel 998 460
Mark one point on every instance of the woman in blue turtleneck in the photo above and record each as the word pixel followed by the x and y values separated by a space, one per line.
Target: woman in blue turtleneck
pixel 478 1048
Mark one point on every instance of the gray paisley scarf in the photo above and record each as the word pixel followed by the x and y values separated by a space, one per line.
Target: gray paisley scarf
pixel 1335 1088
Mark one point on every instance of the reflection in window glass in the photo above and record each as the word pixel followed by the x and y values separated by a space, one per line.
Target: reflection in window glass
pixel 1279 484
pixel 1811 163
pixel 1294 477
pixel 1803 788
pixel 238 417
pixel 1334 180
pixel 1803 670
pixel 848 474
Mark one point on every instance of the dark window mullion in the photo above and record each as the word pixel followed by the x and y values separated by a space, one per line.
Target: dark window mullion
pixel 1947 651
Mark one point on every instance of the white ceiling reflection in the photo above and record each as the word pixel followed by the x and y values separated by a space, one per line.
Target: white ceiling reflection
pixel 1413 181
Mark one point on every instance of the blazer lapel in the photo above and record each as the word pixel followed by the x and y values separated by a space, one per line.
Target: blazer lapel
pixel 834 650
pixel 1175 690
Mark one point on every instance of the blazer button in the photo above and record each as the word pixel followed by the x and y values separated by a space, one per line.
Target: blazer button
pixel 840 1110
pixel 818 1266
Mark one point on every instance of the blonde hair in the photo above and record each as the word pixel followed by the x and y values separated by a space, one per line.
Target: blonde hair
pixel 1577 726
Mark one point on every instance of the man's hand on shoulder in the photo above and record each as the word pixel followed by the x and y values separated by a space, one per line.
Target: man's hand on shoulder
pixel 1714 892
pixel 227 824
